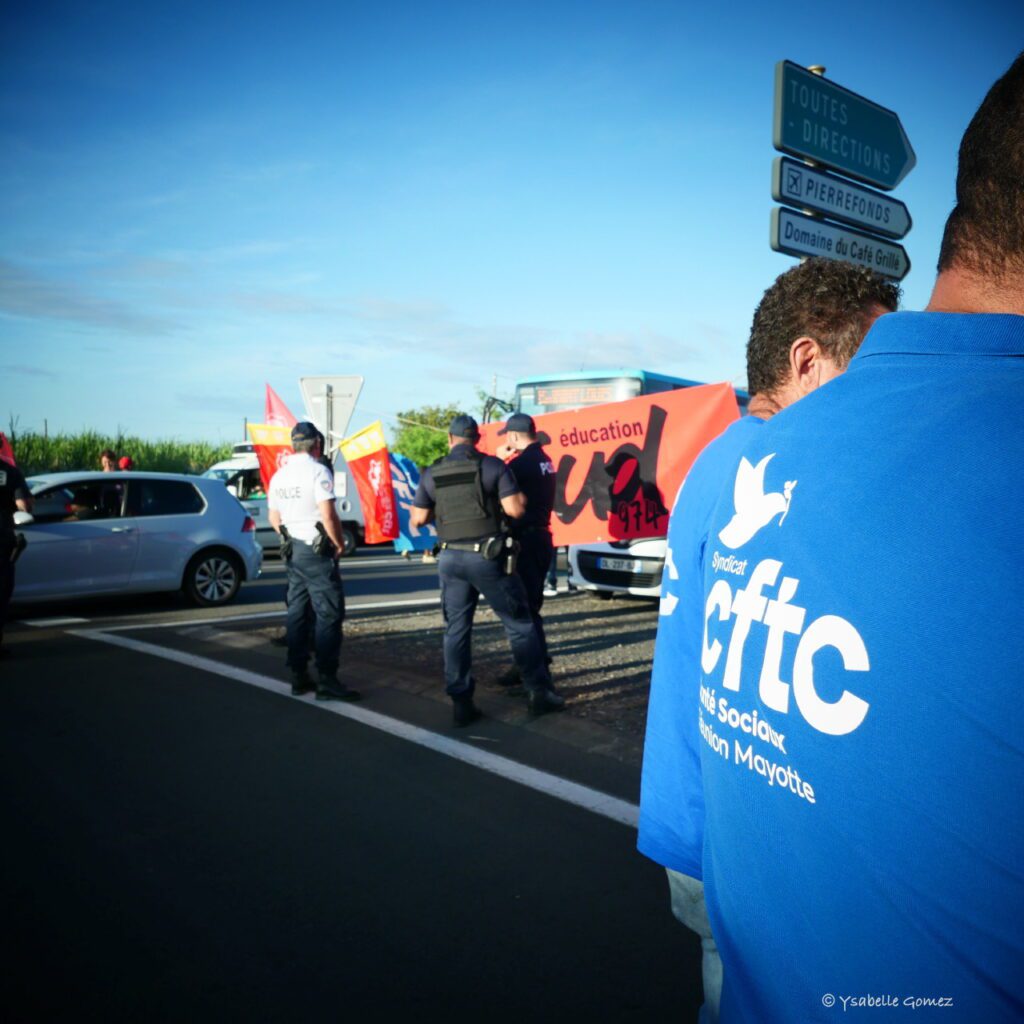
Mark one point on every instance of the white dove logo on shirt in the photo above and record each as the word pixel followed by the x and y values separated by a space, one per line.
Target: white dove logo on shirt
pixel 754 508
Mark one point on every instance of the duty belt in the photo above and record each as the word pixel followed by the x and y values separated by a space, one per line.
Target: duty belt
pixel 462 545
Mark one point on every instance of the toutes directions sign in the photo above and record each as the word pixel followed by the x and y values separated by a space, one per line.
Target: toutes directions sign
pixel 826 124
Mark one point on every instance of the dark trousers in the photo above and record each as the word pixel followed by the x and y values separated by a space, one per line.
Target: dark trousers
pixel 6 579
pixel 314 588
pixel 534 561
pixel 465 575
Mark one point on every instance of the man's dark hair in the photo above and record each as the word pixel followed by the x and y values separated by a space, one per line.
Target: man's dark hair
pixel 828 300
pixel 304 446
pixel 109 453
pixel 985 231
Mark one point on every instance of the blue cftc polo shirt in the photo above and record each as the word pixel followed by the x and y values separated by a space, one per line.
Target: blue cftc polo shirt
pixel 861 706
pixel 671 828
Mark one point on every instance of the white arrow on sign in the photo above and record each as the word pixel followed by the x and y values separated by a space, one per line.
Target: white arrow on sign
pixel 799 234
pixel 796 184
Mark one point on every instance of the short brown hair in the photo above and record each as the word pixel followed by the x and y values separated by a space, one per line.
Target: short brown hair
pixel 985 231
pixel 828 300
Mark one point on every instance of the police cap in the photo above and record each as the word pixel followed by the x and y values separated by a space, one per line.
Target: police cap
pixel 464 426
pixel 304 431
pixel 520 423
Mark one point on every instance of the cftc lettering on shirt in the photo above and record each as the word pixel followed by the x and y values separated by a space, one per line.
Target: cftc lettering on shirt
pixel 780 616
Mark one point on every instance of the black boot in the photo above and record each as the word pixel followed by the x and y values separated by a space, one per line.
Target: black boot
pixel 330 689
pixel 301 682
pixel 464 711
pixel 542 700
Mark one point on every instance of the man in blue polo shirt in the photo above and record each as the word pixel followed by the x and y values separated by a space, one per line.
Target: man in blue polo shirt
pixel 805 330
pixel 860 708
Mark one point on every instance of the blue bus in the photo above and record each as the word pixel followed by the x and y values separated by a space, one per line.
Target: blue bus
pixel 561 392
pixel 629 567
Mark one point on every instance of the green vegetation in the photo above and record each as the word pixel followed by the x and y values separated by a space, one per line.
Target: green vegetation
pixel 422 434
pixel 38 454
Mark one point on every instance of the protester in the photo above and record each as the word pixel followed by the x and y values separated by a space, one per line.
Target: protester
pixel 806 328
pixel 108 460
pixel 471 495
pixel 860 705
pixel 301 509
pixel 125 463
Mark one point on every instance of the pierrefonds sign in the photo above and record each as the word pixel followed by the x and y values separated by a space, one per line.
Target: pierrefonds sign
pixel 797 184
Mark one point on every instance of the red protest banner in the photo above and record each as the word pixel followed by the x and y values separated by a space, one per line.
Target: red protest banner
pixel 366 454
pixel 620 465
pixel 273 445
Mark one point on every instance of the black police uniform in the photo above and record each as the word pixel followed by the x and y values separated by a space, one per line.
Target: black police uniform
pixel 535 474
pixel 465 489
pixel 12 488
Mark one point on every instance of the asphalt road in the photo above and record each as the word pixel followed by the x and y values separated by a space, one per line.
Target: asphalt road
pixel 182 843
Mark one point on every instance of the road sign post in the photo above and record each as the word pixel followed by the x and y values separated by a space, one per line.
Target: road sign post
pixel 821 121
pixel 799 234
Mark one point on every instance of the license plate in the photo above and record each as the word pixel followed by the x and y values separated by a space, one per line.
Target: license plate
pixel 620 564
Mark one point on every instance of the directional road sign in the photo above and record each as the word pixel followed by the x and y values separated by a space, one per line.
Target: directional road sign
pixel 822 121
pixel 796 184
pixel 330 402
pixel 802 235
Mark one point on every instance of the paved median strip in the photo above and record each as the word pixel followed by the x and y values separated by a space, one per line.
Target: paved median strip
pixel 592 800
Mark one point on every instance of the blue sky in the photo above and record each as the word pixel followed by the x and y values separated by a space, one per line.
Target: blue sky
pixel 198 198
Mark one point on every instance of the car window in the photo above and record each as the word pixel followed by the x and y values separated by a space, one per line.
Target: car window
pixel 79 501
pixel 254 485
pixel 164 498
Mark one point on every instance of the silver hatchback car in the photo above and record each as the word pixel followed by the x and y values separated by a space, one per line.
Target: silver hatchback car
pixel 128 533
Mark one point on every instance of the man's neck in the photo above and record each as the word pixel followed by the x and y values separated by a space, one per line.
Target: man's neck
pixel 962 291
pixel 763 406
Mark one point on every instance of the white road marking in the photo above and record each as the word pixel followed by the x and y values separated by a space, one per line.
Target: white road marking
pixel 413 602
pixel 40 623
pixel 552 785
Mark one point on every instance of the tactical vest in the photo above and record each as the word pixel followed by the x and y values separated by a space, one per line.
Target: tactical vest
pixel 461 509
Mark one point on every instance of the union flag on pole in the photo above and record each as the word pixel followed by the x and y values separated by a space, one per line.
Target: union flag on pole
pixel 273 444
pixel 276 413
pixel 367 456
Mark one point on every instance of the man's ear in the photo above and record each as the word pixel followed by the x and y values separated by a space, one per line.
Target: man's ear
pixel 807 365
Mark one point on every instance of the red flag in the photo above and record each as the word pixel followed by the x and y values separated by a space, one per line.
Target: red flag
pixel 276 412
pixel 618 466
pixel 366 454
pixel 273 446
pixel 6 452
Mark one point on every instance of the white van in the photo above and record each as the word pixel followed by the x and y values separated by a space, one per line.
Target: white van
pixel 241 475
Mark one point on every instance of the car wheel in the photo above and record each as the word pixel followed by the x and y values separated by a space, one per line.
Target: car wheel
pixel 348 542
pixel 212 578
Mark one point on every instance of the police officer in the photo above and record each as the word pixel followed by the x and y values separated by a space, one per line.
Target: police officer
pixel 14 497
pixel 535 475
pixel 301 508
pixel 471 496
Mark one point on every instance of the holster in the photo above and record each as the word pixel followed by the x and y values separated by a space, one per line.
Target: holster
pixel 322 544
pixel 286 543
pixel 512 548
